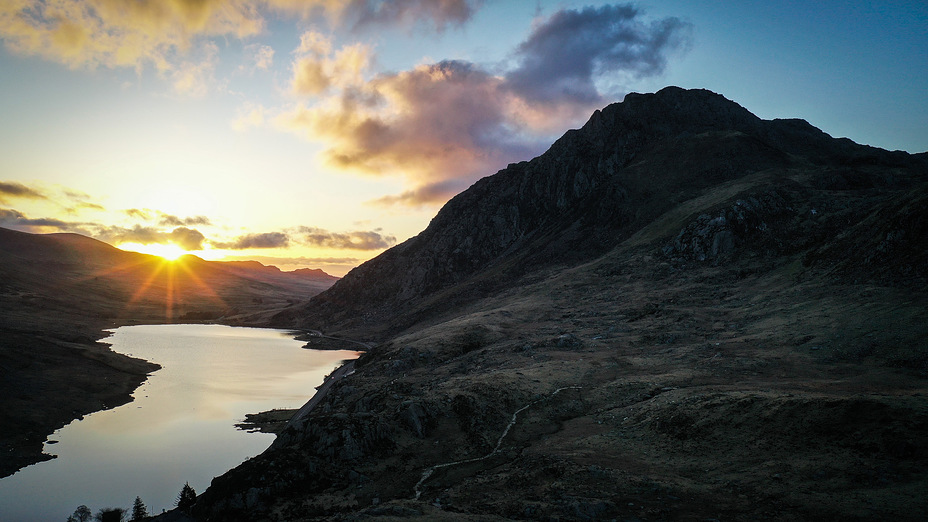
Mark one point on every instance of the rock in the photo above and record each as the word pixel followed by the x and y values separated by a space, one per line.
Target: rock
pixel 569 341
pixel 414 417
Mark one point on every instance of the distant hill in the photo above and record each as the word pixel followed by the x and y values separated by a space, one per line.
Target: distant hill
pixel 59 271
pixel 57 293
pixel 679 311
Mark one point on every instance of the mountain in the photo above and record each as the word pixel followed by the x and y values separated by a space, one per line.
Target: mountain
pixel 632 163
pixel 59 291
pixel 679 311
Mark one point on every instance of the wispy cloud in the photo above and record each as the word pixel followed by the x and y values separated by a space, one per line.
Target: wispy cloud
pixel 196 78
pixel 428 194
pixel 262 240
pixel 410 13
pixel 257 57
pixel 13 189
pixel 15 219
pixel 356 240
pixel 170 220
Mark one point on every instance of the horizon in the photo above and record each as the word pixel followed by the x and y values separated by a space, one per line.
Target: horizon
pixel 319 136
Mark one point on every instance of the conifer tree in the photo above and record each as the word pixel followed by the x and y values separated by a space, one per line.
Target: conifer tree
pixel 186 498
pixel 139 511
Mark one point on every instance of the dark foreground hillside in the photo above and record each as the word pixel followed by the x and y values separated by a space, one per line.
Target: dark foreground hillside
pixel 59 291
pixel 678 312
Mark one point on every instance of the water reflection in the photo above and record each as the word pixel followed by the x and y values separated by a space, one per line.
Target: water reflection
pixel 179 428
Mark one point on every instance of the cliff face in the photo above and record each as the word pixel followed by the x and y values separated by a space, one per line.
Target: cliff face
pixel 593 189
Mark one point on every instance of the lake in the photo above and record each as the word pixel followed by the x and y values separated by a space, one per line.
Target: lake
pixel 179 427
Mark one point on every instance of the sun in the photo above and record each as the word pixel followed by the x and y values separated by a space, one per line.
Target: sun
pixel 168 251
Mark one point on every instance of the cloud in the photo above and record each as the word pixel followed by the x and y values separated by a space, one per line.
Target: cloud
pixel 443 120
pixel 137 33
pixel 186 238
pixel 435 15
pixel 138 213
pixel 86 205
pixel 170 220
pixel 120 33
pixel 11 218
pixel 564 54
pixel 357 240
pixel 316 69
pixel 263 240
pixel 429 194
pixel 443 125
pixel 196 78
pixel 12 189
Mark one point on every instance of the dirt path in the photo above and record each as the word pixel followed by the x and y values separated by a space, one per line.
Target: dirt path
pixel 499 442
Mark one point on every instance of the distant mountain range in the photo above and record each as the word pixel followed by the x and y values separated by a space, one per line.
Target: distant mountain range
pixel 54 270
pixel 679 311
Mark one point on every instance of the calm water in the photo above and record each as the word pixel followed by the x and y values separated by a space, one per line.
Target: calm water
pixel 178 429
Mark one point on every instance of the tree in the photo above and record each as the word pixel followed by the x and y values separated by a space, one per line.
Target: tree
pixel 139 511
pixel 111 515
pixel 187 498
pixel 82 513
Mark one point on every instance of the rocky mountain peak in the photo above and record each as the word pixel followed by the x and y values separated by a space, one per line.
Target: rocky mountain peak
pixel 592 189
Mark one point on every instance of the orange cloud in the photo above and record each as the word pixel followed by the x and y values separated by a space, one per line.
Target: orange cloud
pixel 443 120
pixel 316 69
pixel 120 33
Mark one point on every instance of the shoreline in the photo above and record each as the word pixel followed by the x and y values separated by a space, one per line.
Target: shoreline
pixel 78 377
pixel 84 375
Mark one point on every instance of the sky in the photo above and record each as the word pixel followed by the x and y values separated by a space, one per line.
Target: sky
pixel 317 133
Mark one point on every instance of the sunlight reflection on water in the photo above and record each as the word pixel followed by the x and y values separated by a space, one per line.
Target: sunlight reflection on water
pixel 180 427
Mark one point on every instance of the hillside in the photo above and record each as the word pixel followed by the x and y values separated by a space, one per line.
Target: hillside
pixel 59 291
pixel 678 312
